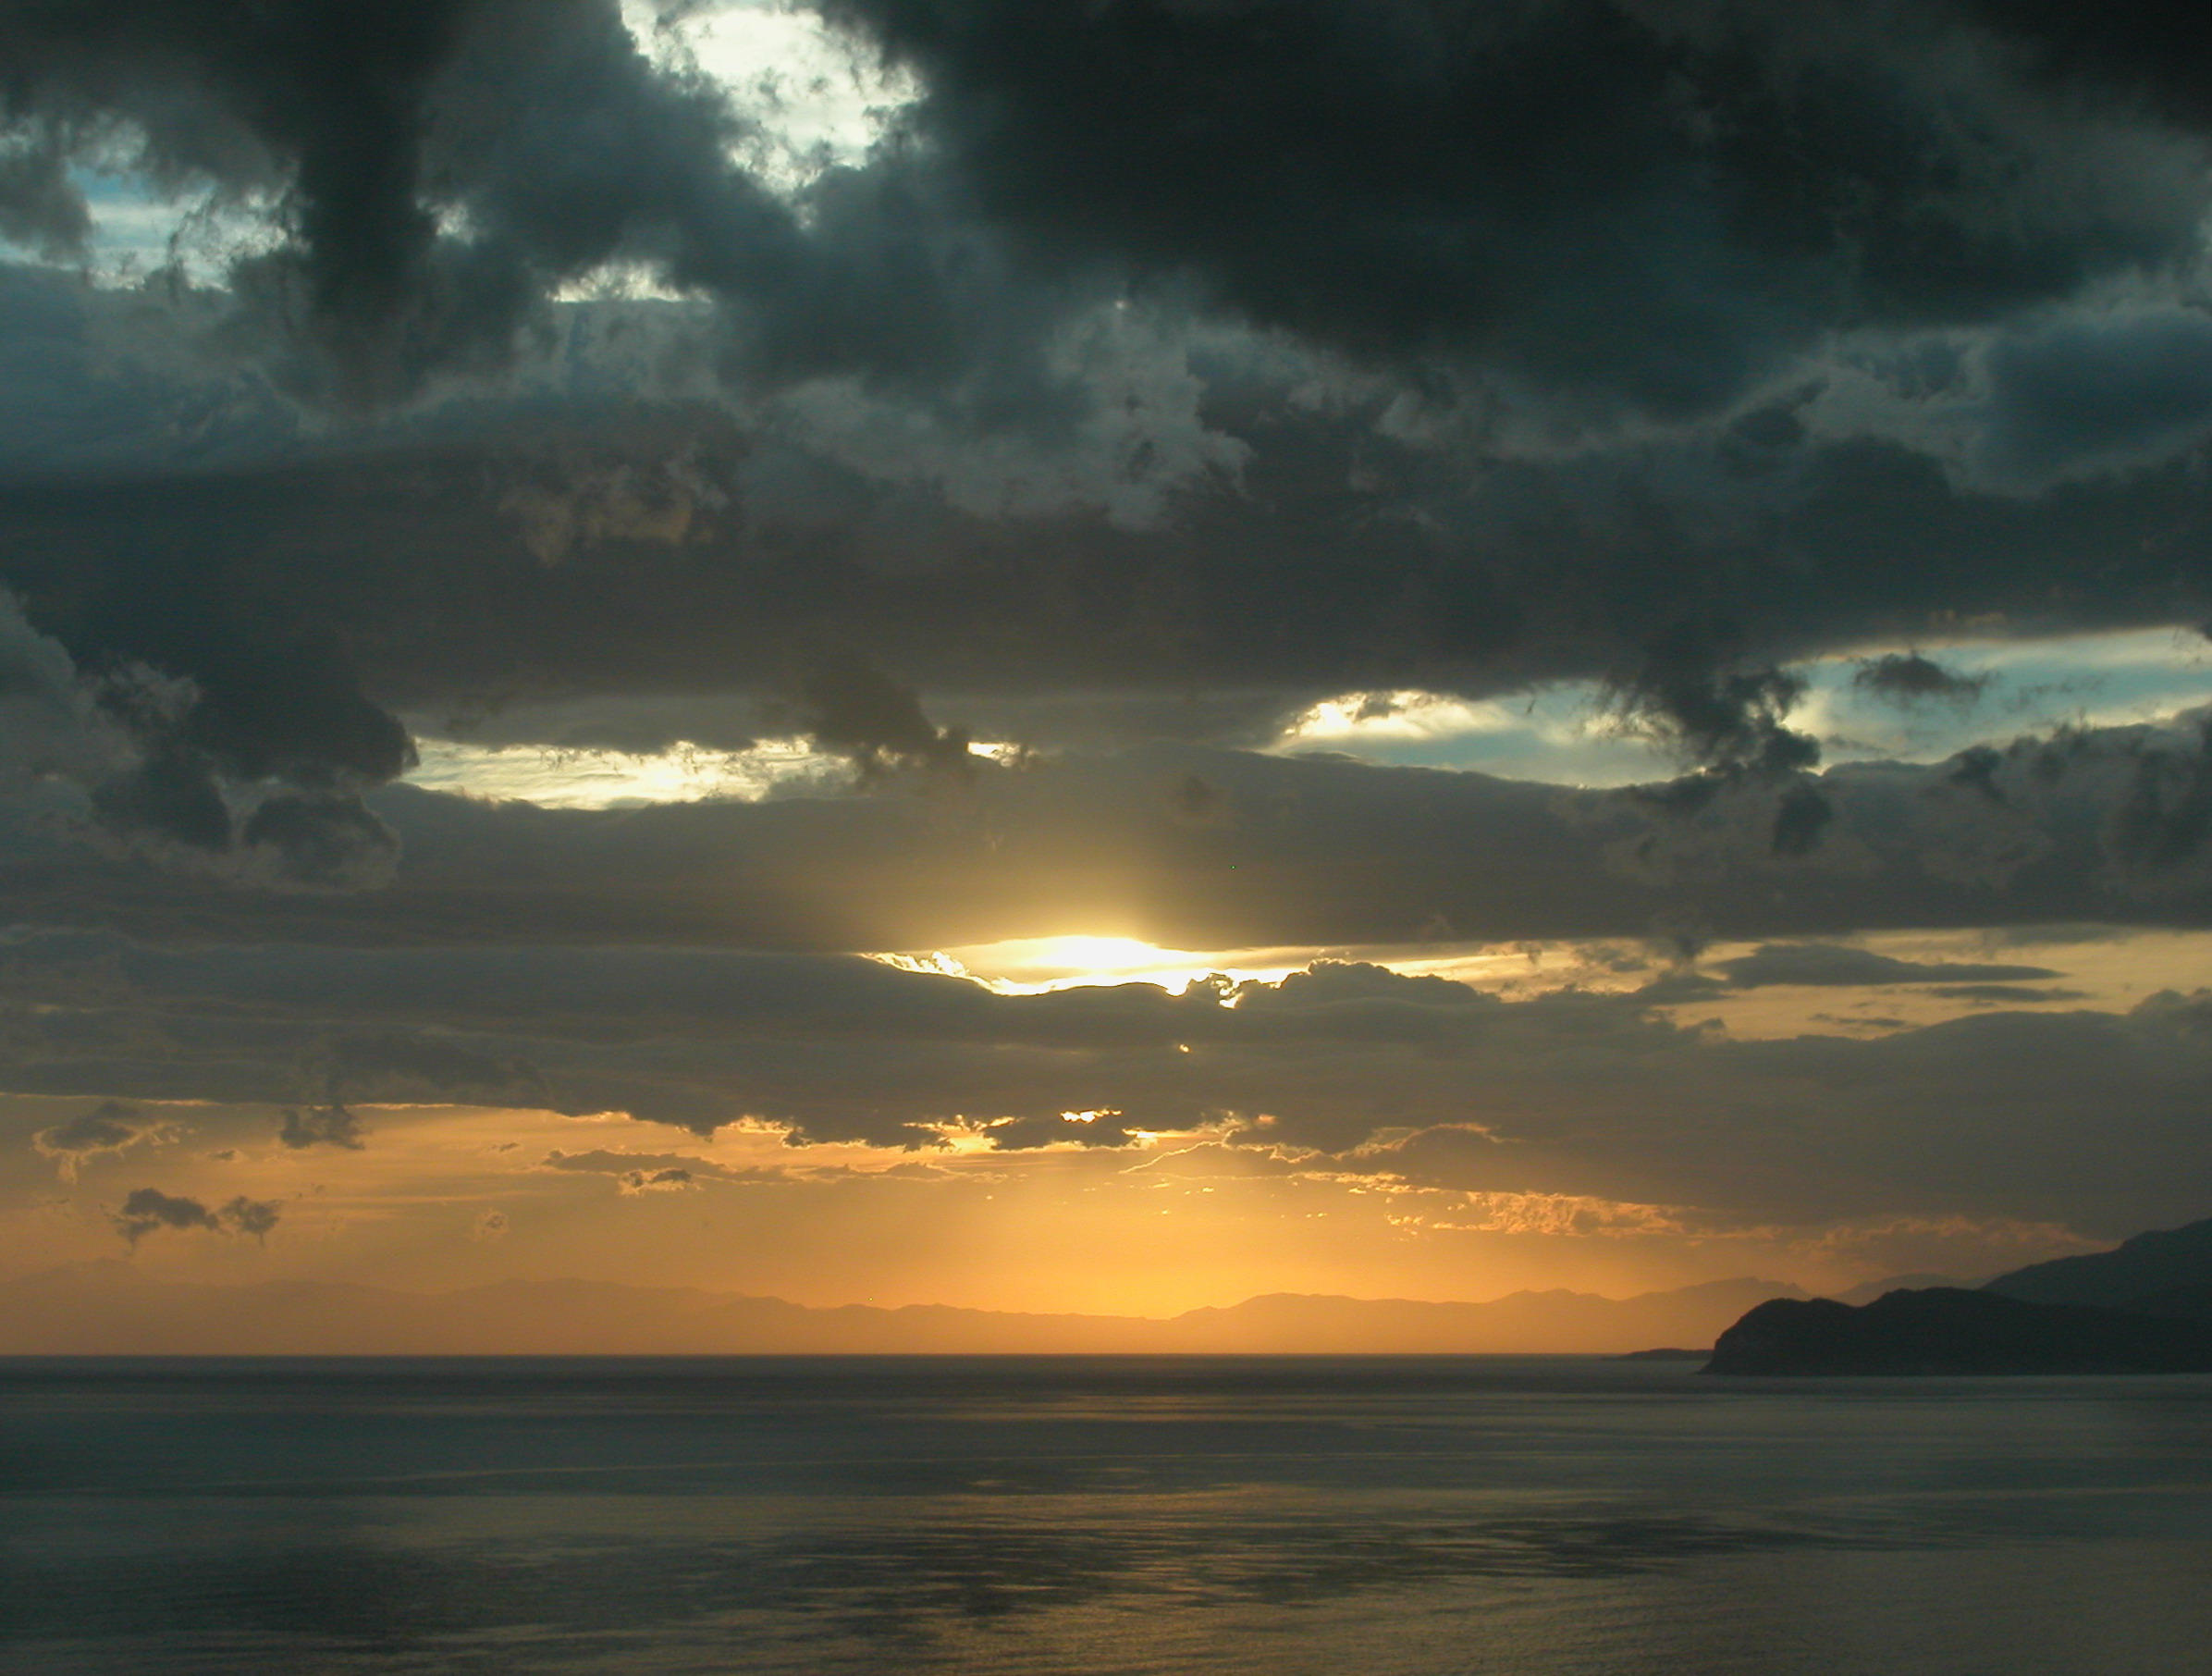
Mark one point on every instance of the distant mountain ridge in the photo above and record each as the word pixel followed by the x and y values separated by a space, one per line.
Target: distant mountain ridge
pixel 109 1308
pixel 2167 1272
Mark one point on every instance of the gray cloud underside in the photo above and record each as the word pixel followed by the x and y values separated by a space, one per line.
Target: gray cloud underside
pixel 700 555
pixel 1643 200
pixel 1172 364
pixel 2090 1117
pixel 300 604
pixel 2111 826
pixel 1638 340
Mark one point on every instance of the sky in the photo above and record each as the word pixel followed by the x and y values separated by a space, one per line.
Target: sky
pixel 1103 657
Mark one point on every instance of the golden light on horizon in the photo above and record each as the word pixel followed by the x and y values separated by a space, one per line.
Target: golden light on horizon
pixel 1030 966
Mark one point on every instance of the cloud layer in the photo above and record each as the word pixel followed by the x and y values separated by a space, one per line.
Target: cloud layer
pixel 1147 375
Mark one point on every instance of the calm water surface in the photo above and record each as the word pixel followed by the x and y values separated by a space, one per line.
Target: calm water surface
pixel 1521 1516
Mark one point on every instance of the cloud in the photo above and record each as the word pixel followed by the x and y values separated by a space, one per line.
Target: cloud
pixel 602 1162
pixel 148 1210
pixel 632 1182
pixel 257 1217
pixel 1169 368
pixel 307 596
pixel 437 172
pixel 2089 1116
pixel 172 770
pixel 2098 826
pixel 1518 184
pixel 2096 393
pixel 635 1172
pixel 1648 203
pixel 395 1065
pixel 856 711
pixel 1907 678
pixel 2141 48
pixel 1814 963
pixel 1253 353
pixel 2003 994
pixel 1092 1128
pixel 110 1129
pixel 320 1125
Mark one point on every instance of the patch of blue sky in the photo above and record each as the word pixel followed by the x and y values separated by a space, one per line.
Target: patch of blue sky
pixel 136 230
pixel 1568 734
pixel 555 778
pixel 813 98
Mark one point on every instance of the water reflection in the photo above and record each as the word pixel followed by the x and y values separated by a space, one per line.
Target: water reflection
pixel 1065 1515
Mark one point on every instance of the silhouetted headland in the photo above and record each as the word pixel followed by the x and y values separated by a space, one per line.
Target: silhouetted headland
pixel 1946 1330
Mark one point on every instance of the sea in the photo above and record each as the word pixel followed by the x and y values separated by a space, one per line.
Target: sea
pixel 1374 1516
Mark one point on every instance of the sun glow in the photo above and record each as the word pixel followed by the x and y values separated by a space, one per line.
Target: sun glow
pixel 1029 966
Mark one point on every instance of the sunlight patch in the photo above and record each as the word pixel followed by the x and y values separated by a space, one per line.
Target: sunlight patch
pixel 1976 690
pixel 569 779
pixel 817 101
pixel 1031 966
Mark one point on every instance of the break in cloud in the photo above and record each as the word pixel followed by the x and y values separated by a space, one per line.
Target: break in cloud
pixel 1343 1067
pixel 1019 465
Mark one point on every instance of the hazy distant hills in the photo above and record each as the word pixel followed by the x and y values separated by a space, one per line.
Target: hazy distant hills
pixel 1867 1291
pixel 2166 1273
pixel 108 1308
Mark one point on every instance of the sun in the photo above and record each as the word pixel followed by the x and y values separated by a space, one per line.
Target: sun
pixel 1029 966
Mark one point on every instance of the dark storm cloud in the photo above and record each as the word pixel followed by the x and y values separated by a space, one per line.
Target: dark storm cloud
pixel 2098 391
pixel 1482 227
pixel 1404 273
pixel 2151 46
pixel 554 145
pixel 1173 365
pixel 2164 826
pixel 1646 199
pixel 859 712
pixel 1344 562
pixel 545 130
pixel 40 205
pixel 197 777
pixel 1914 1122
pixel 1654 201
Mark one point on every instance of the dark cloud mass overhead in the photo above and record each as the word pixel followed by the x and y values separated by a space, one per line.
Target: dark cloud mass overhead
pixel 1123 482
